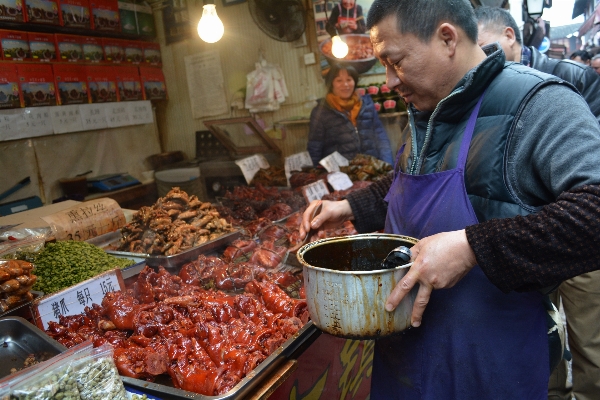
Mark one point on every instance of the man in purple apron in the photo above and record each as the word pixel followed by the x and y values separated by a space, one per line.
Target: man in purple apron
pixel 495 178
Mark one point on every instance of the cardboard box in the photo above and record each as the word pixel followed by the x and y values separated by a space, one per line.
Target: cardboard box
pixel 93 52
pixel 10 94
pixel 42 47
pixel 69 47
pixel 127 17
pixel 102 84
pixel 71 82
pixel 42 12
pixel 105 15
pixel 145 19
pixel 75 13
pixel 129 83
pixel 114 51
pixel 12 11
pixel 134 53
pixel 152 53
pixel 14 45
pixel 37 85
pixel 153 83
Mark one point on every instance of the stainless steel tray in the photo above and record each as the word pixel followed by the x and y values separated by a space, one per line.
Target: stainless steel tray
pixel 292 348
pixel 19 339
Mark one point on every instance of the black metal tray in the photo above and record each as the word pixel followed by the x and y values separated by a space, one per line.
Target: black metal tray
pixel 19 339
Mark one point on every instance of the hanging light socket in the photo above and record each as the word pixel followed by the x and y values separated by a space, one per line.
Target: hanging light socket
pixel 210 27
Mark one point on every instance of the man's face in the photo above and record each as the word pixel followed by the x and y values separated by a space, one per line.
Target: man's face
pixel 596 65
pixel 487 36
pixel 415 69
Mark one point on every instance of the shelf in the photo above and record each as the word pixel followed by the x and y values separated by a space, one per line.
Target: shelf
pixel 41 28
pixel 306 121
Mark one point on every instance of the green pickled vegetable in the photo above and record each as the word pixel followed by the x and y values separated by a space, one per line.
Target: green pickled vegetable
pixel 66 263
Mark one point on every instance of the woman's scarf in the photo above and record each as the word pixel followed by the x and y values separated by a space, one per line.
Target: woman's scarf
pixel 350 107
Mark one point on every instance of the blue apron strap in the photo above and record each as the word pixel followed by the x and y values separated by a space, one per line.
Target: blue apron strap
pixel 466 142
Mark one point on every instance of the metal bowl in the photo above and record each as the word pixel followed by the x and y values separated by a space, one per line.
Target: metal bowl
pixel 355 43
pixel 346 287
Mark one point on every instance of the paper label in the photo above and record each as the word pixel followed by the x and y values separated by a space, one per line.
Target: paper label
pixel 73 300
pixel 315 190
pixel 251 165
pixel 117 114
pixel 93 116
pixel 339 181
pixel 66 119
pixel 334 161
pixel 86 220
pixel 295 162
pixel 141 112
pixel 8 124
pixel 35 121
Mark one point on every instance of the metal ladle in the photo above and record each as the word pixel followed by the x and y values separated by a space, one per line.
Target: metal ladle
pixel 399 256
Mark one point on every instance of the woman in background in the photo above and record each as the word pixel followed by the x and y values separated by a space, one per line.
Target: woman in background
pixel 347 17
pixel 345 122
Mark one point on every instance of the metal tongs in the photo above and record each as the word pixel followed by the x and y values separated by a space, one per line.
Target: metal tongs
pixel 399 256
pixel 315 212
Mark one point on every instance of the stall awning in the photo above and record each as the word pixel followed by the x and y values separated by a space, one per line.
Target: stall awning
pixel 579 8
pixel 590 22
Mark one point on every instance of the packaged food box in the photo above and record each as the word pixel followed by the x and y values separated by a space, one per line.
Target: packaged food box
pixel 14 45
pixel 145 19
pixel 102 84
pixel 42 12
pixel 71 81
pixel 127 16
pixel 10 95
pixel 12 10
pixel 134 53
pixel 42 47
pixel 114 51
pixel 153 83
pixel 75 13
pixel 152 53
pixel 129 83
pixel 105 15
pixel 93 52
pixel 37 85
pixel 69 47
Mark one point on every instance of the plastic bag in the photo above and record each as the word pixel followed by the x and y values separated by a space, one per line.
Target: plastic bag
pixel 265 88
pixel 98 377
pixel 26 240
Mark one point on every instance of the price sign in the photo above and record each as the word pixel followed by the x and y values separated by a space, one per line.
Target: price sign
pixel 251 165
pixel 117 114
pixel 339 181
pixel 334 161
pixel 93 116
pixel 35 121
pixel 73 300
pixel 315 190
pixel 141 112
pixel 8 124
pixel 66 119
pixel 295 162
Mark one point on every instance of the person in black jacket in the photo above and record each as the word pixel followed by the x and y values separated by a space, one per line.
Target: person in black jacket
pixel 580 294
pixel 497 25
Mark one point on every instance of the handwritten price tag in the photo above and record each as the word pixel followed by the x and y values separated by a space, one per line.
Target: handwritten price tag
pixel 334 161
pixel 35 121
pixel 117 114
pixel 141 112
pixel 66 119
pixel 295 162
pixel 339 181
pixel 73 300
pixel 93 116
pixel 251 165
pixel 315 190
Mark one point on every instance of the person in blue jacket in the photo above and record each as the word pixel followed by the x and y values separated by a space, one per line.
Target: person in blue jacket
pixel 345 122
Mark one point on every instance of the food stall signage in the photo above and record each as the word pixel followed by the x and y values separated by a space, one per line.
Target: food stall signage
pixel 117 114
pixel 251 165
pixel 339 181
pixel 334 161
pixel 66 119
pixel 295 162
pixel 315 190
pixel 74 299
pixel 93 116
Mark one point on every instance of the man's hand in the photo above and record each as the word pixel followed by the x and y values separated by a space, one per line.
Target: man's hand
pixel 332 214
pixel 439 261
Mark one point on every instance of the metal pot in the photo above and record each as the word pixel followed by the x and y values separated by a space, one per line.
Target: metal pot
pixel 346 286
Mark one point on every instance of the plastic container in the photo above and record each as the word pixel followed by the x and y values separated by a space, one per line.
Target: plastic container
pixel 187 179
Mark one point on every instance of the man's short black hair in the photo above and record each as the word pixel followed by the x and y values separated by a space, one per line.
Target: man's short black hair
pixel 335 70
pixel 422 17
pixel 495 19
pixel 583 54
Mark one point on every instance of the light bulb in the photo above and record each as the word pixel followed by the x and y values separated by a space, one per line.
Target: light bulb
pixel 210 27
pixel 339 48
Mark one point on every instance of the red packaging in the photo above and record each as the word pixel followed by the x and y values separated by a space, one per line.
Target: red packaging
pixel 10 95
pixel 71 83
pixel 152 53
pixel 75 13
pixel 37 85
pixel 15 45
pixel 42 47
pixel 128 83
pixel 114 51
pixel 12 11
pixel 153 83
pixel 102 84
pixel 134 52
pixel 42 12
pixel 69 47
pixel 105 15
pixel 93 51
